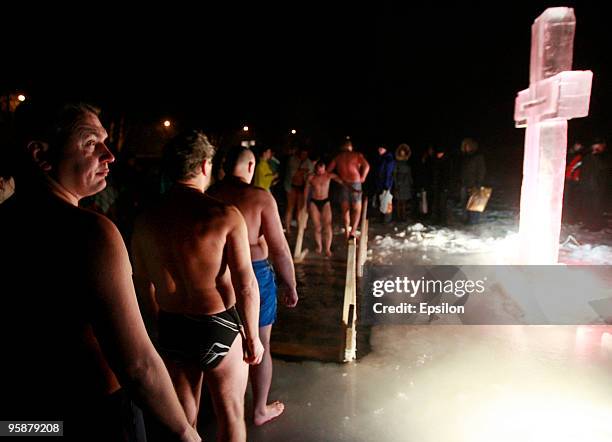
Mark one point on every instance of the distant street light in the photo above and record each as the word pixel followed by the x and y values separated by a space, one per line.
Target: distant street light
pixel 21 97
pixel 167 123
pixel 245 128
pixel 293 131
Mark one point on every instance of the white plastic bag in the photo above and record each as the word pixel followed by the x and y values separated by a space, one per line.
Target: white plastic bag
pixel 386 202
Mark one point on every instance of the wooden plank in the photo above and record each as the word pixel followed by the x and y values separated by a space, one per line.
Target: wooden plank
pixel 350 281
pixel 298 254
pixel 349 311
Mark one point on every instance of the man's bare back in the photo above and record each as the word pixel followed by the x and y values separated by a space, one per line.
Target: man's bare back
pixel 252 203
pixel 182 246
pixel 351 166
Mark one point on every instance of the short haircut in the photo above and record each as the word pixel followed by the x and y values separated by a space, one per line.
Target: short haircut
pixel 233 157
pixel 184 154
pixel 52 123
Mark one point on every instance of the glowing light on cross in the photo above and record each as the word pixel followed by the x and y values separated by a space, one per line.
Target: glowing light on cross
pixel 555 95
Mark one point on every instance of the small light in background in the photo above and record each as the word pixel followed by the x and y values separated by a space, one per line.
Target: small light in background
pixel 167 123
pixel 21 97
pixel 245 128
pixel 293 131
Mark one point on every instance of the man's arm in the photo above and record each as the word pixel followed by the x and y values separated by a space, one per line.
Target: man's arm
pixel 119 328
pixel 279 251
pixel 332 165
pixel 364 168
pixel 307 188
pixel 336 178
pixel 244 282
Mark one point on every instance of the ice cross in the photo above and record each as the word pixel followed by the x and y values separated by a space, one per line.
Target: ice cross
pixel 555 95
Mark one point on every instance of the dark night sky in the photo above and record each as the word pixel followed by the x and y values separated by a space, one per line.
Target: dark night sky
pixel 380 74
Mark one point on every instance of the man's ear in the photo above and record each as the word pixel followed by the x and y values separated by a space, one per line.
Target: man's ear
pixel 251 165
pixel 38 151
pixel 204 167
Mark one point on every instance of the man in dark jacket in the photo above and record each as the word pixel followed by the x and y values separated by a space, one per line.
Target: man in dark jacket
pixel 440 186
pixel 383 178
pixel 594 184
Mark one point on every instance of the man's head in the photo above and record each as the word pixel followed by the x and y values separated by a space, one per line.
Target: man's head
pixel 303 154
pixel 347 146
pixel 67 144
pixel 599 146
pixel 240 162
pixel 265 153
pixel 576 147
pixel 188 157
pixel 469 145
pixel 320 167
pixel 382 150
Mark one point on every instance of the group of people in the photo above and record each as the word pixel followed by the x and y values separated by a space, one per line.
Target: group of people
pixel 307 187
pixel 421 188
pixel 97 335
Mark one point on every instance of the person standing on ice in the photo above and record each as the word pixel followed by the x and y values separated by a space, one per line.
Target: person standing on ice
pixel 439 187
pixel 268 247
pixel 402 178
pixel 571 196
pixel 353 169
pixel 473 172
pixel 319 205
pixel 383 179
pixel 595 184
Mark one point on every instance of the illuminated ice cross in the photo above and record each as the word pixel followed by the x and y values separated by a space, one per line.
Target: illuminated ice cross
pixel 555 95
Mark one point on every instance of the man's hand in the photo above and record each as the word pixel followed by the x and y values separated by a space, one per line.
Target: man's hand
pixel 254 351
pixel 290 296
pixel 190 435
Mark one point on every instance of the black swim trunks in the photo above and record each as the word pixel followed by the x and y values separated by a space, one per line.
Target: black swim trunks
pixel 320 203
pixel 202 338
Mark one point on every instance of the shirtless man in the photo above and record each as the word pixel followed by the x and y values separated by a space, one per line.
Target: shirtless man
pixel 353 170
pixel 301 168
pixel 192 266
pixel 69 317
pixel 265 238
pixel 319 205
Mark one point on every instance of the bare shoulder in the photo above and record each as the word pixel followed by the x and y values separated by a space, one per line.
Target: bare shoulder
pixel 97 233
pixel 265 198
pixel 97 224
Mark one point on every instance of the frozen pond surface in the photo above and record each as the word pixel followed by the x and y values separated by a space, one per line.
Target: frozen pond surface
pixel 456 383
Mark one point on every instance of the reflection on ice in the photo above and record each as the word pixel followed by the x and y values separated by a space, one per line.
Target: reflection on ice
pixel 453 383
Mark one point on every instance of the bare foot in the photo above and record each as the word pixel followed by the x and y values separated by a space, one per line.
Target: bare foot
pixel 319 250
pixel 328 253
pixel 272 411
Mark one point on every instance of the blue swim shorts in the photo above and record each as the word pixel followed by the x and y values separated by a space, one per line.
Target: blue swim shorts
pixel 267 292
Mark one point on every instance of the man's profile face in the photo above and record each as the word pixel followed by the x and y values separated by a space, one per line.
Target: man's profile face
pixel 382 150
pixel 320 169
pixel 83 163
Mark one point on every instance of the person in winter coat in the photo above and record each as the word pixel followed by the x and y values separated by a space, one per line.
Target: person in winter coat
pixel 383 178
pixel 402 180
pixel 595 185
